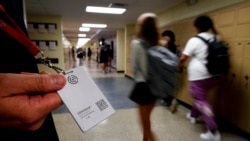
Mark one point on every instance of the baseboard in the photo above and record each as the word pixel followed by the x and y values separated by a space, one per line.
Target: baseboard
pixel 128 76
pixel 120 71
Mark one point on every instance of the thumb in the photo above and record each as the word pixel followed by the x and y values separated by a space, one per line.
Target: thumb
pixel 26 83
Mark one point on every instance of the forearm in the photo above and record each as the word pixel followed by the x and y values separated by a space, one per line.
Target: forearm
pixel 182 61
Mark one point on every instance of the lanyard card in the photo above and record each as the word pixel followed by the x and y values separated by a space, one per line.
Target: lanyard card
pixel 84 99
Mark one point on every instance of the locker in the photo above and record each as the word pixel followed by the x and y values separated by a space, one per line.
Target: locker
pixel 243 15
pixel 183 93
pixel 243 111
pixel 228 92
pixel 246 52
pixel 226 18
pixel 236 49
pixel 242 32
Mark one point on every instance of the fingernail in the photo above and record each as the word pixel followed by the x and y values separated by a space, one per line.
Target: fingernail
pixel 59 79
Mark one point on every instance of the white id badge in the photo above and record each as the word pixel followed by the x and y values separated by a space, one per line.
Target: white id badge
pixel 84 99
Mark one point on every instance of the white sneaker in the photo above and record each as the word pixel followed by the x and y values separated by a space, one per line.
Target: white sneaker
pixel 191 119
pixel 208 136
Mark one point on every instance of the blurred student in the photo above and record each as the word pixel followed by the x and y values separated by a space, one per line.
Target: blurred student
pixel 200 80
pixel 147 35
pixel 89 53
pixel 168 37
pixel 104 56
pixel 80 55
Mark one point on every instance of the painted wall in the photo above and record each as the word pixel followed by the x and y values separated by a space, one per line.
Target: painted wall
pixel 120 50
pixel 57 36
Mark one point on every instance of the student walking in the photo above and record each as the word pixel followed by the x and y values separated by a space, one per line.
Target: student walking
pixel 104 57
pixel 168 37
pixel 147 35
pixel 89 53
pixel 200 80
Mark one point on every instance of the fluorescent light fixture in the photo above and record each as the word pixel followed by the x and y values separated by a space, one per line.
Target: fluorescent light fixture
pixel 82 41
pixel 107 10
pixel 94 25
pixel 84 29
pixel 81 35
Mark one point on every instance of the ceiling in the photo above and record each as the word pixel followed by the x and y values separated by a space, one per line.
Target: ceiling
pixel 73 14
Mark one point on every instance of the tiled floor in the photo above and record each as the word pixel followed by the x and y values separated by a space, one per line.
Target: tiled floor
pixel 123 124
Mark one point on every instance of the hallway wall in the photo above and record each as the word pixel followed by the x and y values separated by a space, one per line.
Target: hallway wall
pixel 44 38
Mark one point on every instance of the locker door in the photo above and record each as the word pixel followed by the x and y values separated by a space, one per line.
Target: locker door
pixel 183 92
pixel 236 50
pixel 243 111
pixel 246 53
pixel 243 16
pixel 225 22
pixel 228 93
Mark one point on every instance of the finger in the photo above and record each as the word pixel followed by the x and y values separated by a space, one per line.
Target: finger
pixel 30 111
pixel 26 83
pixel 45 103
pixel 44 72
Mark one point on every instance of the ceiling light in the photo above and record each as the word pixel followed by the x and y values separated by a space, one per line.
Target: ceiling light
pixel 84 29
pixel 81 35
pixel 107 10
pixel 82 41
pixel 94 25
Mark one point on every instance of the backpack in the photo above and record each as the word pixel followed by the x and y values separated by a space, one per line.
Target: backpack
pixel 162 66
pixel 105 50
pixel 163 71
pixel 217 58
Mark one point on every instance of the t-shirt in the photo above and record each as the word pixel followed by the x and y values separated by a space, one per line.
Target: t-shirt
pixel 197 50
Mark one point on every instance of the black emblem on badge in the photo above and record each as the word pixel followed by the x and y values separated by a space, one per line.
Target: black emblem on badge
pixel 72 79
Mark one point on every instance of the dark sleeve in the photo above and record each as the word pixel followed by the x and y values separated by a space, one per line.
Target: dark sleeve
pixel 15 58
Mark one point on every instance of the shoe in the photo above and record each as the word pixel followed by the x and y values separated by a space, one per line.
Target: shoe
pixel 209 136
pixel 191 119
pixel 164 103
pixel 173 106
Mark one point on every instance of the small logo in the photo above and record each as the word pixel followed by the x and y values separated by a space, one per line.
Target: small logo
pixel 72 79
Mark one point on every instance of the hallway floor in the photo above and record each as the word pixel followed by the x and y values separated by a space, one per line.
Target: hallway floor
pixel 123 125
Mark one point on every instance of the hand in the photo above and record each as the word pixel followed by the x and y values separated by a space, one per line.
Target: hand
pixel 181 69
pixel 26 99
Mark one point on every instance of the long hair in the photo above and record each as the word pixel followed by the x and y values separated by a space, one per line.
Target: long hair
pixel 146 28
pixel 205 23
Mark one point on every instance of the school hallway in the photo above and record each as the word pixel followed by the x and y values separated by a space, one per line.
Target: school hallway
pixel 123 125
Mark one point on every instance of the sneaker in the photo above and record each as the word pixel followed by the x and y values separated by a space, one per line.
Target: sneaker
pixel 209 136
pixel 173 107
pixel 164 103
pixel 191 119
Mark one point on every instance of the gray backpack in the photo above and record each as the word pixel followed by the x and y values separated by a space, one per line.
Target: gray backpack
pixel 162 70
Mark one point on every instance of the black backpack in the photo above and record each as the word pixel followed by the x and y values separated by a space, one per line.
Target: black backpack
pixel 217 58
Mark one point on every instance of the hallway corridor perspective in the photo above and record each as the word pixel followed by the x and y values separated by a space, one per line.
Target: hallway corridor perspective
pixel 123 125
